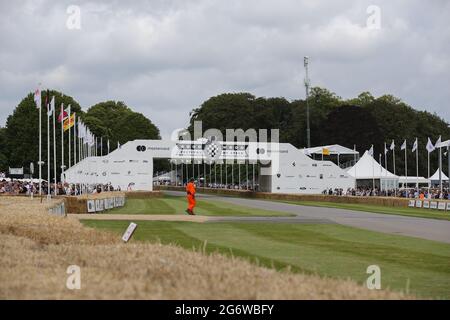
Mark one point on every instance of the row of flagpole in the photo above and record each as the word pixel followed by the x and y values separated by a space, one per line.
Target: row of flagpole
pixel 83 139
pixel 430 148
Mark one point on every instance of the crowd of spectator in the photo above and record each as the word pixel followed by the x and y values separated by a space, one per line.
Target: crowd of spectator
pixel 422 193
pixel 28 187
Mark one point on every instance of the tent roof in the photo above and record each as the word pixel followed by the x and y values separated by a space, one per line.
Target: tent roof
pixel 409 179
pixel 368 168
pixel 435 176
pixel 334 149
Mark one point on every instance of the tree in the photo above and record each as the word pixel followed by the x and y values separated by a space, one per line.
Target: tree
pixel 22 132
pixel 3 153
pixel 116 122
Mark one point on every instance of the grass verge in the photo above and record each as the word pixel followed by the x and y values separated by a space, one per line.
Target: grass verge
pixel 411 265
pixel 177 205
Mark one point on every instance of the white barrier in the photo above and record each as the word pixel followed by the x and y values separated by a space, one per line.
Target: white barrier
pixel 426 204
pixel 59 210
pixel 99 205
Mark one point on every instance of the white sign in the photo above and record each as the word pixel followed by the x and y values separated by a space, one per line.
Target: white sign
pixel 426 204
pixel 419 204
pixel 130 230
pixel 106 204
pixel 99 205
pixel 90 206
pixel 448 206
pixel 441 206
pixel 16 171
pixel 433 205
pixel 411 203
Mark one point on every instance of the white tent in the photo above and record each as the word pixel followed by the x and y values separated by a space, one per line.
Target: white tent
pixel 333 149
pixel 435 176
pixel 413 180
pixel 368 169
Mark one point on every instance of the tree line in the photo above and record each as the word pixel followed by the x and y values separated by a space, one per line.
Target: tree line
pixel 360 122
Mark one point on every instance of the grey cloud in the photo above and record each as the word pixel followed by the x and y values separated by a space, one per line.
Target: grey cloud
pixel 164 58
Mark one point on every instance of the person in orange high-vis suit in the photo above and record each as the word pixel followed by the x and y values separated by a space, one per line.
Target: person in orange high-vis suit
pixel 190 190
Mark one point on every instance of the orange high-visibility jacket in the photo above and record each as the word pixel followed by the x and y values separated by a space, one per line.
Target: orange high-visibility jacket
pixel 190 189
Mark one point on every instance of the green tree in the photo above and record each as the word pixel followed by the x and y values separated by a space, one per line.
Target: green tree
pixel 116 122
pixel 22 132
pixel 3 153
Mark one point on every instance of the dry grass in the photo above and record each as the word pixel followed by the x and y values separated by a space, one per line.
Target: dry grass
pixel 36 249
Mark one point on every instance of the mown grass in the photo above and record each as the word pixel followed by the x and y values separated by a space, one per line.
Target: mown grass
pixel 417 266
pixel 177 205
pixel 411 212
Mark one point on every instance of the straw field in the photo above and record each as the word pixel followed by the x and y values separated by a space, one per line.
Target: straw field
pixel 36 250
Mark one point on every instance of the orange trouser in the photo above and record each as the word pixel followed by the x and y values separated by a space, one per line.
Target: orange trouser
pixel 191 202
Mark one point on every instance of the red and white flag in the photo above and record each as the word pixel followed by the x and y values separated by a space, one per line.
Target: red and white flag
pixel 37 98
pixel 63 115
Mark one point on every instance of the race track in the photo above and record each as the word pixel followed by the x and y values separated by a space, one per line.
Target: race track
pixel 431 229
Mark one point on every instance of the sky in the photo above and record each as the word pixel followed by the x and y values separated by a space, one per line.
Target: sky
pixel 164 58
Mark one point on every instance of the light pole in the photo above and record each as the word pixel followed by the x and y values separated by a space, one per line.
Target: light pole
pixel 308 132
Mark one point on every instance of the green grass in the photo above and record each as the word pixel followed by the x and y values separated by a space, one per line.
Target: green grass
pixel 412 212
pixel 329 250
pixel 177 205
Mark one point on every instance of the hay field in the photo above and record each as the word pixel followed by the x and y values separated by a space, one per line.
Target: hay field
pixel 36 249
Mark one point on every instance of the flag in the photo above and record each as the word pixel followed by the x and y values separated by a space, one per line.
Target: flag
pixel 415 145
pixel 403 147
pixel 118 145
pixel 51 107
pixel 63 115
pixel 385 149
pixel 108 146
pixel 438 143
pixel 325 151
pixel 392 145
pixel 371 151
pixel 69 122
pixel 37 98
pixel 430 147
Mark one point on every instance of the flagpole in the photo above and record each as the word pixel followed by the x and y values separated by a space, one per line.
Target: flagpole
pixel 101 146
pixel 54 147
pixel 74 138
pixel 440 168
pixel 354 165
pixel 373 174
pixel 70 142
pixel 448 160
pixel 62 139
pixel 385 158
pixel 48 153
pixel 40 142
pixel 381 169
pixel 417 163
pixel 406 164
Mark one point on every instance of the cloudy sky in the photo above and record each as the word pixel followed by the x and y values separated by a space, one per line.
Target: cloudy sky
pixel 164 58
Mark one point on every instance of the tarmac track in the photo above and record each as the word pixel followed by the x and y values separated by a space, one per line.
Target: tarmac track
pixel 431 229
